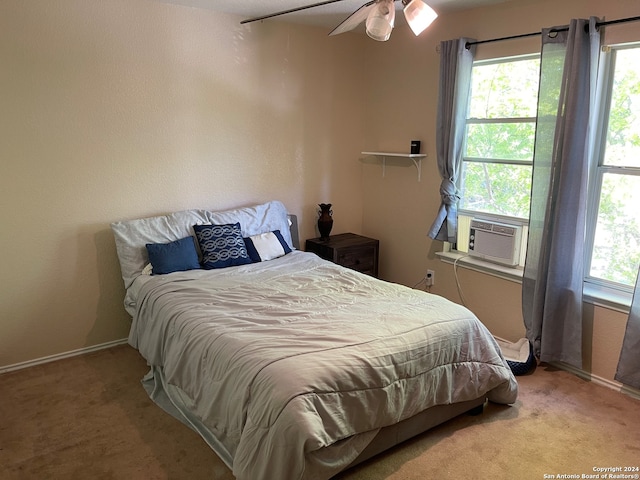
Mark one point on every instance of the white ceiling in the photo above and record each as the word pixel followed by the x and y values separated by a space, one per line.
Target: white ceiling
pixel 327 16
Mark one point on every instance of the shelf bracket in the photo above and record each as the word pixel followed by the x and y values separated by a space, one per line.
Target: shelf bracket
pixel 416 158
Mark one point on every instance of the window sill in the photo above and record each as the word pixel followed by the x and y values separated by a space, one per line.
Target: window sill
pixel 610 298
pixel 601 296
pixel 482 266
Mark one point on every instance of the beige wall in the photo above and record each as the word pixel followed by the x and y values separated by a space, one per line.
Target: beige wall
pixel 401 105
pixel 117 109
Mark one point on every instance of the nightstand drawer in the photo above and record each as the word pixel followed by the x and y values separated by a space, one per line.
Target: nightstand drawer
pixel 349 250
pixel 358 258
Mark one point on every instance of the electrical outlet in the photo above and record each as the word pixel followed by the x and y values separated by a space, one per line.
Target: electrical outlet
pixel 430 278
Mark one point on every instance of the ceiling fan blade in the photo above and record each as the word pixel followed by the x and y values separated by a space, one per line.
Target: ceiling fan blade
pixel 291 10
pixel 353 20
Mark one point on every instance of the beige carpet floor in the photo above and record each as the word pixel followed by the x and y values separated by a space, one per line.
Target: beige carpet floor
pixel 88 417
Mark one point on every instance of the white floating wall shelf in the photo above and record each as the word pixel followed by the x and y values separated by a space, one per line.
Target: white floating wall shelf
pixel 416 158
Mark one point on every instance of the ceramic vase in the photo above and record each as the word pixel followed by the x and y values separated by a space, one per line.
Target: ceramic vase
pixel 325 220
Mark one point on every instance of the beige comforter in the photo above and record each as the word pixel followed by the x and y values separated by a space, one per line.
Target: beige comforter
pixel 282 359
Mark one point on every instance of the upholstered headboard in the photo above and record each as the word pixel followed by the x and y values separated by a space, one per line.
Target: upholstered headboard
pixel 293 228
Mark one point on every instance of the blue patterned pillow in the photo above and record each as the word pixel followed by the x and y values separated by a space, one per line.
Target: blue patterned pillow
pixel 171 257
pixel 221 245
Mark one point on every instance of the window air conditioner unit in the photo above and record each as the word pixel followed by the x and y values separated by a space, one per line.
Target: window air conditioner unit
pixel 495 242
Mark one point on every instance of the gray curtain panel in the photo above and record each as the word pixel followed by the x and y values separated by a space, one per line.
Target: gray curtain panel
pixel 456 61
pixel 628 371
pixel 553 273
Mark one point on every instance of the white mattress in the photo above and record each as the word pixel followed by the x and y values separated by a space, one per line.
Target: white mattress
pixel 294 364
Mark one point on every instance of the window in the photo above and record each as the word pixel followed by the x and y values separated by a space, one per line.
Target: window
pixel 495 180
pixel 498 156
pixel 501 123
pixel 614 222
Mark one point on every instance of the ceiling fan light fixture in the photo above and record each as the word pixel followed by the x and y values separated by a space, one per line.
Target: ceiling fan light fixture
pixel 380 20
pixel 419 15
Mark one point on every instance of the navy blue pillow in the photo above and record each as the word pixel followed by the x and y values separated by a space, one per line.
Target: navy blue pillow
pixel 175 256
pixel 221 245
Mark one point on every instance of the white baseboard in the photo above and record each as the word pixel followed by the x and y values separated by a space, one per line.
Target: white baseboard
pixel 60 356
pixel 613 385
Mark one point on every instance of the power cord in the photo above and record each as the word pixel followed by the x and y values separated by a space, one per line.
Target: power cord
pixel 455 274
pixel 427 288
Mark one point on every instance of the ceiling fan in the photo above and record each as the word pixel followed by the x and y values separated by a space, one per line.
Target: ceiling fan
pixel 378 15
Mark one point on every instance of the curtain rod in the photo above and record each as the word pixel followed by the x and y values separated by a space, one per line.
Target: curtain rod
pixel 559 29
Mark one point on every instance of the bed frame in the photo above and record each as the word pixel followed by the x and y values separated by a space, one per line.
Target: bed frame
pixel 393 435
pixel 387 437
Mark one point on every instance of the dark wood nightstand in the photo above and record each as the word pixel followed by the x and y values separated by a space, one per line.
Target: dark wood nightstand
pixel 349 250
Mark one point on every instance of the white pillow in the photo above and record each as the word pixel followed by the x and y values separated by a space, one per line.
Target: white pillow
pixel 267 246
pixel 132 237
pixel 256 219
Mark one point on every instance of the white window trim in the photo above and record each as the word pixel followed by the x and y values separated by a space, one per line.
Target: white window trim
pixel 600 289
pixel 499 120
pixel 464 260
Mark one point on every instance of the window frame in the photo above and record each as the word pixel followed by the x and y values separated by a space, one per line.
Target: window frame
pixel 596 286
pixel 494 161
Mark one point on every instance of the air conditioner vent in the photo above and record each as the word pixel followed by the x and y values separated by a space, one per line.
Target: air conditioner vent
pixel 495 242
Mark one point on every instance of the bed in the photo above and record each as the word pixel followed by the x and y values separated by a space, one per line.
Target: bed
pixel 287 365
